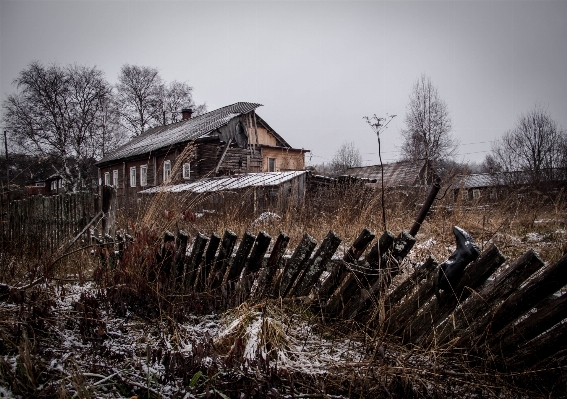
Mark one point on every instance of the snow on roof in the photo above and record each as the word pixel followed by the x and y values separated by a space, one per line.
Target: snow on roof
pixel 190 129
pixel 395 174
pixel 263 179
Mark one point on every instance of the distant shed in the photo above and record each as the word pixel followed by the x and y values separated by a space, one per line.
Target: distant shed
pixel 261 191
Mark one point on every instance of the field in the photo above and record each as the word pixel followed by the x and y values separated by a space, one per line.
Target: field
pixel 75 323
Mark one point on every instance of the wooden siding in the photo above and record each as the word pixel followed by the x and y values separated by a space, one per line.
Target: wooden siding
pixel 286 158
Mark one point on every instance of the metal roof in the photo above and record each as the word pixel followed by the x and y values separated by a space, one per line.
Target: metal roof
pixel 190 129
pixel 263 179
pixel 398 174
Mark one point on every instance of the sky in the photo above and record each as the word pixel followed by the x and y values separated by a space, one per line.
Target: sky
pixel 318 67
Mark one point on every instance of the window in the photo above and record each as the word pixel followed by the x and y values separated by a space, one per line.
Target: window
pixel 54 185
pixel 465 195
pixel 476 194
pixel 166 170
pixel 60 181
pixel 186 171
pixel 144 175
pixel 42 184
pixel 493 194
pixel 107 179
pixel 271 164
pixel 133 176
pixel 115 178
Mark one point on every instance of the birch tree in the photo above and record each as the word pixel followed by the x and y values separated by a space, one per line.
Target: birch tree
pixel 427 135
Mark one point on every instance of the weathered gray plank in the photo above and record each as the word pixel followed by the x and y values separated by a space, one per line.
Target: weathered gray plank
pixel 179 259
pixel 317 264
pixel 235 269
pixel 471 318
pixel 257 256
pixel 223 258
pixel 295 265
pixel 195 272
pixel 338 273
pixel 435 311
pixel 514 336
pixel 376 263
pixel 398 317
pixel 537 289
pixel 205 275
pixel 266 279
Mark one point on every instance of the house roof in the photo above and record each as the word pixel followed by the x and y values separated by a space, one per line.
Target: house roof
pixel 263 179
pixel 398 174
pixel 183 131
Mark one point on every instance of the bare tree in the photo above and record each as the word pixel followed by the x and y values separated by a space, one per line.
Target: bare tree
pixel 57 113
pixel 147 101
pixel 535 145
pixel 347 156
pixel 428 125
pixel 176 96
pixel 140 94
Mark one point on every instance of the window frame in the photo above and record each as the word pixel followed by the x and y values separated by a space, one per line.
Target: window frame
pixel 271 164
pixel 107 178
pixel 53 185
pixel 166 170
pixel 115 177
pixel 465 195
pixel 187 168
pixel 133 176
pixel 143 175
pixel 476 193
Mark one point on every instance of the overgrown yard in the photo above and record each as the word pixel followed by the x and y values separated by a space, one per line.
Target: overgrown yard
pixel 80 324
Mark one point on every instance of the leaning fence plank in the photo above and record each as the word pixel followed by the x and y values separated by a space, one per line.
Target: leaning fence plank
pixel 471 318
pixel 256 257
pixel 235 269
pixel 179 259
pixel 265 281
pixel 202 280
pixel 397 317
pixel 436 310
pixel 362 299
pixel 513 336
pixel 541 348
pixel 223 258
pixel 317 264
pixel 338 273
pixel 551 279
pixel 194 271
pixel 295 265
pixel 167 253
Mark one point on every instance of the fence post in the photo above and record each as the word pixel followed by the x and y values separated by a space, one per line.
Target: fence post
pixel 295 265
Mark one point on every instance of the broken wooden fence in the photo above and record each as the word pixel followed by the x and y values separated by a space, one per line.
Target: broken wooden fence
pixel 41 224
pixel 481 312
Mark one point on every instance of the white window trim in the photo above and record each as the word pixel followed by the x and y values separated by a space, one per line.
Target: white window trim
pixel 187 171
pixel 166 170
pixel 465 194
pixel 115 178
pixel 133 176
pixel 54 185
pixel 107 178
pixel 144 175
pixel 476 193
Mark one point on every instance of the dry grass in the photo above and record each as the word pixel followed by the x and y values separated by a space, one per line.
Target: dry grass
pixel 93 332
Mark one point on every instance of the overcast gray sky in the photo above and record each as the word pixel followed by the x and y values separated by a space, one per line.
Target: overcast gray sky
pixel 317 67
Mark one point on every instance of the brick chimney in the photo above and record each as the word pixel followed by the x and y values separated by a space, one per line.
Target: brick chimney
pixel 186 113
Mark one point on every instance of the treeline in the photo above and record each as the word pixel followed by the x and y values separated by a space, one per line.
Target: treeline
pixel 71 115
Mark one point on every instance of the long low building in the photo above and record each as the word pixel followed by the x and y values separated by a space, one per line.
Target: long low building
pixel 266 190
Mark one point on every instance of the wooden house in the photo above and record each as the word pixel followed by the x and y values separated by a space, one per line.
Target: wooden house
pixel 227 141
